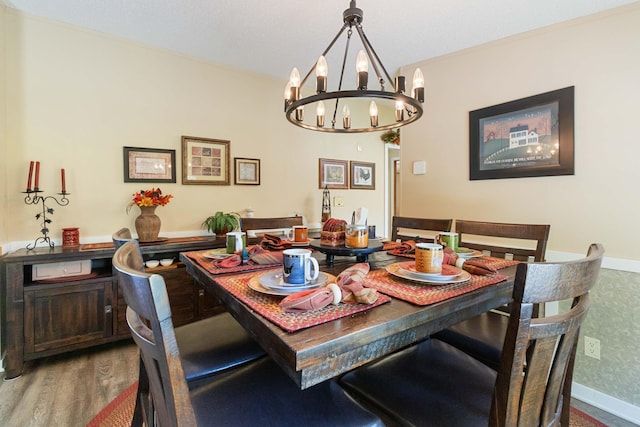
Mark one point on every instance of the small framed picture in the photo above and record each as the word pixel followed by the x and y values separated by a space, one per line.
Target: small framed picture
pixel 247 171
pixel 205 161
pixel 149 165
pixel 333 174
pixel 363 175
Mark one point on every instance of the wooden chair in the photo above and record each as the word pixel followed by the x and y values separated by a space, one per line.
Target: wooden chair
pixel 434 383
pixel 418 224
pixel 258 393
pixel 252 224
pixel 482 336
pixel 201 356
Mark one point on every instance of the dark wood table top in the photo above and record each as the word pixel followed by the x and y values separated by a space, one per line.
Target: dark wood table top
pixel 325 351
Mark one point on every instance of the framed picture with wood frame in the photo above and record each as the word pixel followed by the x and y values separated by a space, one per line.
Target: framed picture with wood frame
pixel 363 175
pixel 205 161
pixel 247 171
pixel 527 137
pixel 149 165
pixel 333 174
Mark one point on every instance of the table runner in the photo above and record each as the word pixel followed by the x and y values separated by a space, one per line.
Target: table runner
pixel 267 305
pixel 108 245
pixel 208 264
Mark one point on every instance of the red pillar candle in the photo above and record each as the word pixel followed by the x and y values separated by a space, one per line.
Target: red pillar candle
pixel 37 186
pixel 64 182
pixel 30 175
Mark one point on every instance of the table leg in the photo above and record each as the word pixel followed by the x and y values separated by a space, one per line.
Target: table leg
pixel 329 259
pixel 362 258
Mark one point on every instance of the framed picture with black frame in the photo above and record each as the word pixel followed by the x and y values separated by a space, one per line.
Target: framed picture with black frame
pixel 149 164
pixel 528 137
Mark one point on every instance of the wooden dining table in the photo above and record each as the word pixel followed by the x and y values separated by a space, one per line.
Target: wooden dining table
pixel 318 353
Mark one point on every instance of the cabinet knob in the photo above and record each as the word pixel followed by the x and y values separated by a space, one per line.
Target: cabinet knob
pixel 107 309
pixel 201 292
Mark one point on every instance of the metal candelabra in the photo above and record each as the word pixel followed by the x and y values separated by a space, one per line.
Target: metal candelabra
pixel 33 198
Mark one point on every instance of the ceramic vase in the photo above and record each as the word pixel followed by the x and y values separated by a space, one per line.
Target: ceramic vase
pixel 148 224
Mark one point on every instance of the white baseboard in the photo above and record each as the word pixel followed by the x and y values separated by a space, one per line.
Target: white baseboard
pixel 607 403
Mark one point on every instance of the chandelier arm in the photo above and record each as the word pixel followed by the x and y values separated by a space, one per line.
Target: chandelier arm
pixel 371 51
pixel 344 63
pixel 313 67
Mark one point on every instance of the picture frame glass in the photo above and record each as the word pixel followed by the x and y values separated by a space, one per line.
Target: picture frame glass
pixel 247 171
pixel 149 165
pixel 333 174
pixel 205 161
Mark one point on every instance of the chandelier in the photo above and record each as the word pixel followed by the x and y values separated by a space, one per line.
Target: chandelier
pixel 406 109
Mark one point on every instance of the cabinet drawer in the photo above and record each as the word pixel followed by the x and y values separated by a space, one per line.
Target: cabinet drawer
pixel 60 269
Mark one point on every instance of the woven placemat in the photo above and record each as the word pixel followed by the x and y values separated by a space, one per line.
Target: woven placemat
pixel 208 264
pixel 267 305
pixel 424 294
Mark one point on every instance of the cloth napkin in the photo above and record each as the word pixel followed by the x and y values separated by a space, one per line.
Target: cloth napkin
pixel 257 255
pixel 406 247
pixel 472 266
pixel 274 243
pixel 348 288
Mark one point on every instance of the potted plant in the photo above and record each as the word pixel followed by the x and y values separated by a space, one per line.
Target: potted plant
pixel 221 223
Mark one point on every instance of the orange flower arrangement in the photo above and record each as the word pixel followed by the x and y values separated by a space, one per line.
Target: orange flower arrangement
pixel 151 197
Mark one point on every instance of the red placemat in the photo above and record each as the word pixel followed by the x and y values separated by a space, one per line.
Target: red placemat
pixel 208 264
pixel 490 261
pixel 423 294
pixel 267 305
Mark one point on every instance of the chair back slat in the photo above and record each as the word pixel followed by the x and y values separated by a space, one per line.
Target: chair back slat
pixel 149 320
pixel 247 224
pixel 400 226
pixel 502 239
pixel 539 352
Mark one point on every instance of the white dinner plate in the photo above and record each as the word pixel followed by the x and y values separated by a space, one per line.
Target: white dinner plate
pixel 275 280
pixel 398 272
pixel 467 253
pixel 449 272
pixel 254 283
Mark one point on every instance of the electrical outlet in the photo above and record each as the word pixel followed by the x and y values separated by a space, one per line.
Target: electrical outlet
pixel 592 347
pixel 338 201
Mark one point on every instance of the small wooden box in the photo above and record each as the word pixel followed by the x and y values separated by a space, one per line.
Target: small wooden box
pixel 332 238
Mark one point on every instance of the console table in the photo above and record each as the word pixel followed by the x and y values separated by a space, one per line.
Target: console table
pixel 45 317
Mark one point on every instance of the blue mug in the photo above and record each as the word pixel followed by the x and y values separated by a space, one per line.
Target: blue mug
pixel 299 266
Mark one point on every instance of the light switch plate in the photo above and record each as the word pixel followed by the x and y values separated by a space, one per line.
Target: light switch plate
pixel 419 167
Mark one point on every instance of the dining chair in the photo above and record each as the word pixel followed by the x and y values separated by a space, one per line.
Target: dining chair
pixel 482 336
pixel 257 393
pixel 121 237
pixel 435 384
pixel 201 356
pixel 264 224
pixel 417 225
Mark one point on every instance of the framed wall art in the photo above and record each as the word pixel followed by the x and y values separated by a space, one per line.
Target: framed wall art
pixel 247 171
pixel 205 161
pixel 524 138
pixel 149 165
pixel 363 175
pixel 333 174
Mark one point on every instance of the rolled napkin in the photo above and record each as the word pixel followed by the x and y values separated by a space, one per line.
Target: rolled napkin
pixel 261 256
pixel 472 266
pixel 348 289
pixel 228 262
pixel 274 243
pixel 406 247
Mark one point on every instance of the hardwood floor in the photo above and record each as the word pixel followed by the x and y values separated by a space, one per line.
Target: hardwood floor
pixel 69 390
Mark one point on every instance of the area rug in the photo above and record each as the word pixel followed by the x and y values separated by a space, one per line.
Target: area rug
pixel 119 411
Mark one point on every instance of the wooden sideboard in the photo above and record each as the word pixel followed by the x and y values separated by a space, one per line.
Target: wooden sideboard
pixel 45 317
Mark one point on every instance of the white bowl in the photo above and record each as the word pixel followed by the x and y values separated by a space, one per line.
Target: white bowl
pixel 166 261
pixel 152 263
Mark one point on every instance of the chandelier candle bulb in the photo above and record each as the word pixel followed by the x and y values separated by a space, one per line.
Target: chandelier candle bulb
pixel 346 117
pixel 418 85
pixel 399 111
pixel 400 84
pixel 362 67
pixel 320 114
pixel 373 113
pixel 30 175
pixel 321 74
pixel 294 79
pixel 287 95
pixel 300 113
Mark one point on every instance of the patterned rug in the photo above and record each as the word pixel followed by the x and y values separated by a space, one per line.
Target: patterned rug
pixel 119 411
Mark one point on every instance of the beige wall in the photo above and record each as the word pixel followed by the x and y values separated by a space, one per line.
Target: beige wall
pixel 600 203
pixel 597 55
pixel 3 132
pixel 77 97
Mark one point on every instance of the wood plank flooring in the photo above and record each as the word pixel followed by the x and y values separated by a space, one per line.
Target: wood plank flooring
pixel 69 390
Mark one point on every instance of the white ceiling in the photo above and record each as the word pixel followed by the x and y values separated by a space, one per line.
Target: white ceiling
pixel 270 37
